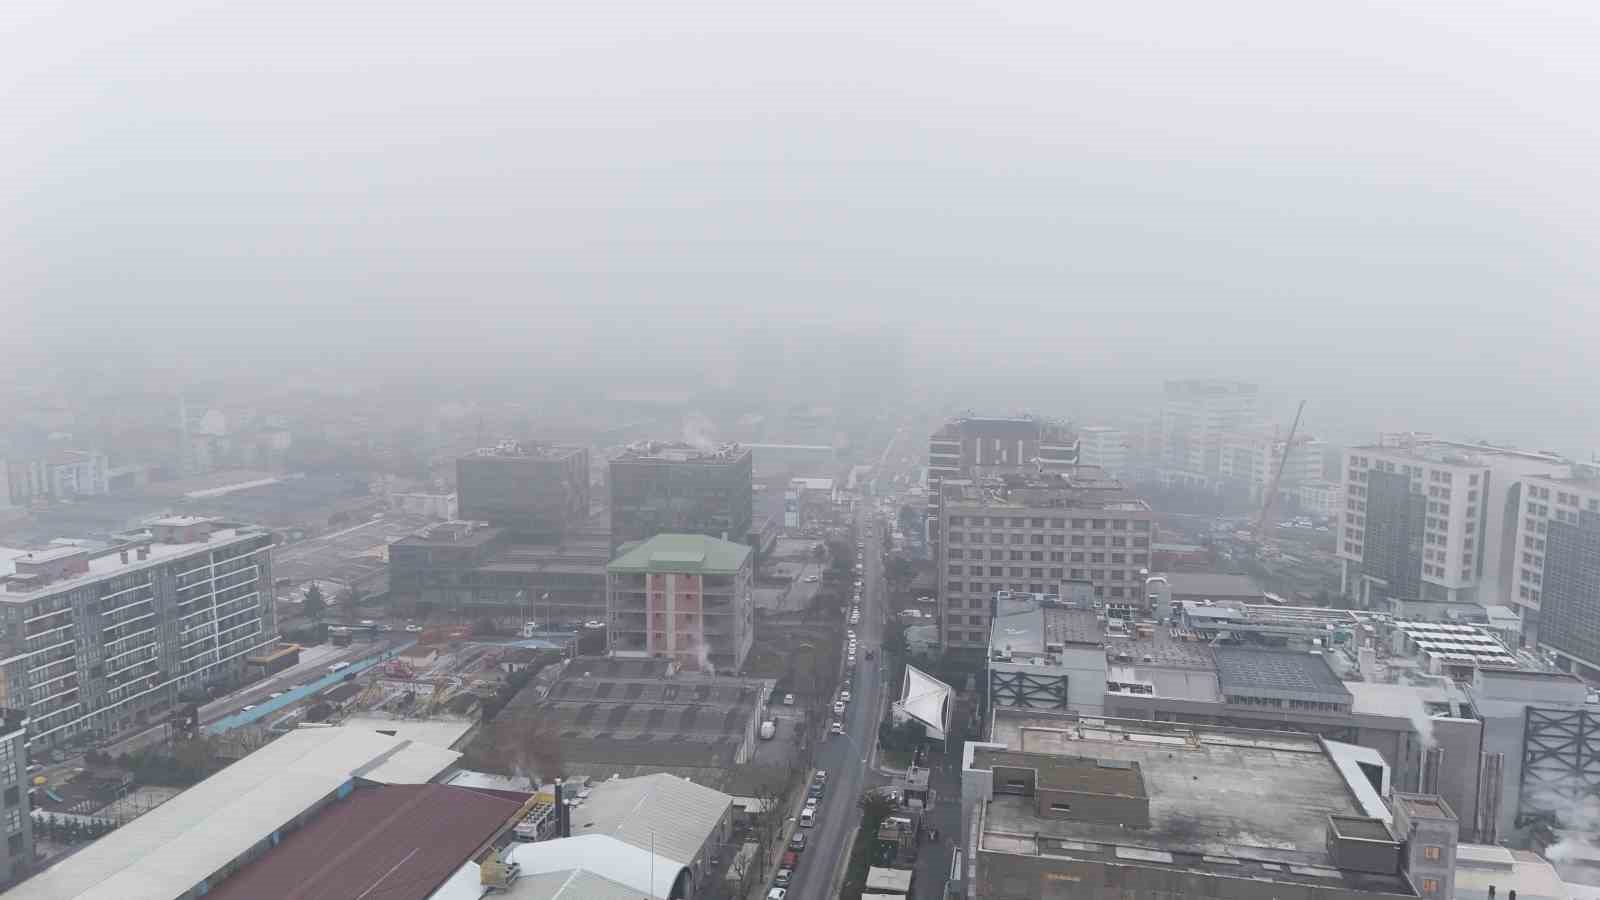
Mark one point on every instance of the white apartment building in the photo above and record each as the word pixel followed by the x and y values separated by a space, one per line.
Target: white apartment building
pixel 1320 498
pixel 1196 413
pixel 1251 458
pixel 1105 446
pixel 1430 520
pixel 100 641
pixel 1556 567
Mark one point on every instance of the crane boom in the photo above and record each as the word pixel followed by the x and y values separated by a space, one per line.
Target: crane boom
pixel 1272 487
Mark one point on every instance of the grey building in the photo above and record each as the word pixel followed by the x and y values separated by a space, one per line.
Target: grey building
pixel 102 641
pixel 17 855
pixel 536 491
pixel 659 488
pixel 971 445
pixel 1060 807
pixel 1391 556
pixel 1034 534
pixel 473 571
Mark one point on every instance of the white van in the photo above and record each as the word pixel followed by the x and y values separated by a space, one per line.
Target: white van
pixel 808 818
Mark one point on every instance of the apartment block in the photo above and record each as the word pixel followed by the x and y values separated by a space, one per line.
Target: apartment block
pixel 101 641
pixel 1430 523
pixel 17 854
pixel 662 488
pixel 1195 414
pixel 1030 535
pixel 987 445
pixel 1251 459
pixel 1557 567
pixel 57 474
pixel 536 491
pixel 684 597
pixel 1104 446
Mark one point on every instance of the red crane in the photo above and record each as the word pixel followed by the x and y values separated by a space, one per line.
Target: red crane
pixel 1272 486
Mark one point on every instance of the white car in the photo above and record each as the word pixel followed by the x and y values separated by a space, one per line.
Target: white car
pixel 838 728
pixel 838 709
pixel 788 699
pixel 811 802
pixel 595 624
pixel 777 893
pixel 811 579
pixel 247 708
pixel 844 696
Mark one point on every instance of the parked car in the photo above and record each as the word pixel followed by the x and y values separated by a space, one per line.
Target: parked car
pixel 783 877
pixel 838 708
pixel 777 893
pixel 790 860
pixel 838 728
pixel 797 842
pixel 594 624
pixel 844 696
pixel 788 699
pixel 247 708
pixel 811 579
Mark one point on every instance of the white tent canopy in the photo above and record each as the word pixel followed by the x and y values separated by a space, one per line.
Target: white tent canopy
pixel 925 699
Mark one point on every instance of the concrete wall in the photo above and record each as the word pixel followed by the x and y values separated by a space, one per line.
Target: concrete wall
pixel 1008 877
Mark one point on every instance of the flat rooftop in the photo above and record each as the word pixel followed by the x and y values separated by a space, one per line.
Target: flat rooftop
pixel 109 562
pixel 1047 491
pixel 1229 802
pixel 527 450
pixel 1212 585
pixel 1026 626
pixel 1247 671
pixel 680 452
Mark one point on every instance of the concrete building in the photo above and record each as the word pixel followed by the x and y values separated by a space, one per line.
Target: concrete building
pixel 1106 447
pixel 1556 561
pixel 1030 534
pixel 1249 459
pixel 422 503
pixel 56 474
pixel 467 570
pixel 101 641
pixel 807 500
pixel 974 446
pixel 659 488
pixel 1428 525
pixel 1045 656
pixel 1320 499
pixel 1195 414
pixel 683 597
pixel 1052 803
pixel 536 491
pixel 16 857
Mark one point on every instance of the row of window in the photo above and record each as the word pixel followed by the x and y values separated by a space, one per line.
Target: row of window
pixel 1041 522
pixel 1138 559
pixel 1022 572
pixel 988 589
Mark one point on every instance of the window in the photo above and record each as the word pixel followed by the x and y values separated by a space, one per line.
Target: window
pixel 1036 556
pixel 1019 522
pixel 977 603
pixel 1058 523
pixel 1432 853
pixel 1077 557
pixel 974 620
pixel 1038 523
pixel 956 587
pixel 1430 887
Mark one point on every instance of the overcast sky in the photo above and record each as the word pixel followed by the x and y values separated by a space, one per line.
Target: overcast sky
pixel 1325 197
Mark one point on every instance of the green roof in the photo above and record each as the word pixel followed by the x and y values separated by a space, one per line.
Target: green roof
pixel 683 553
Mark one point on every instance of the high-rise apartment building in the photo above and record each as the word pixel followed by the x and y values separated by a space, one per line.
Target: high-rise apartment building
pixel 15 821
pixel 659 488
pixel 987 445
pixel 1432 521
pixel 1030 535
pixel 536 491
pixel 101 641
pixel 1104 446
pixel 685 597
pixel 1250 459
pixel 1556 564
pixel 1195 414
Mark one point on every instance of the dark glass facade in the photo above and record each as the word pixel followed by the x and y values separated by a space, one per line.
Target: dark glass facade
pixel 1570 605
pixel 1392 549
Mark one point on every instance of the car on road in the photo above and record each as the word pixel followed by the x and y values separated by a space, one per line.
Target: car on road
pixel 797 842
pixel 275 695
pixel 790 860
pixel 777 894
pixel 811 802
pixel 247 708
pixel 788 699
pixel 838 728
pixel 811 579
pixel 844 696
pixel 808 817
pixel 838 709
pixel 820 776
pixel 413 629
pixel 783 877
pixel 594 624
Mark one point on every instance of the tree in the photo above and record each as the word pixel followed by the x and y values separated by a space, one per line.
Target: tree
pixel 314 605
pixel 875 806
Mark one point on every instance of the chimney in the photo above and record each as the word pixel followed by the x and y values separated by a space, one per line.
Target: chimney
pixel 1432 764
pixel 144 551
pixel 563 822
pixel 124 555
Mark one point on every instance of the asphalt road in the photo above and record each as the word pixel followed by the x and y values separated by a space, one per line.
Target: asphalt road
pixel 845 756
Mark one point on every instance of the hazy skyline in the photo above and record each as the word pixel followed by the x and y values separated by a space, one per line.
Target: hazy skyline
pixel 1388 207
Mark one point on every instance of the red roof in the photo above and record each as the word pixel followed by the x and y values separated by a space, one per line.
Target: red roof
pixel 397 841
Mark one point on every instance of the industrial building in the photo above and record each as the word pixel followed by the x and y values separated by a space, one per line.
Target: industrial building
pixel 1429 526
pixel 971 446
pixel 191 845
pixel 535 491
pixel 685 597
pixel 1031 534
pixel 467 570
pixel 1151 810
pixel 17 856
pixel 674 488
pixel 103 640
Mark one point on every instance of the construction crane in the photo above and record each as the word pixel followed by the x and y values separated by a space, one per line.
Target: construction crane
pixel 1272 486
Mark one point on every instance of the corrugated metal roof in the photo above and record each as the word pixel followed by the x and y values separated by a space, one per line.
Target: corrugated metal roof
pixel 683 553
pixel 676 814
pixel 175 846
pixel 398 841
pixel 593 854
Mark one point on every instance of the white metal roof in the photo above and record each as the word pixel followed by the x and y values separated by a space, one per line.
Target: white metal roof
pixel 596 854
pixel 677 814
pixel 926 699
pixel 180 843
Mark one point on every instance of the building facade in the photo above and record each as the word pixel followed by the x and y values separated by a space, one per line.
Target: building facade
pixel 973 445
pixel 1557 567
pixel 16 857
pixel 1251 459
pixel 56 475
pixel 684 597
pixel 661 488
pixel 1196 413
pixel 1106 447
pixel 1030 536
pixel 1435 521
pixel 104 641
pixel 537 491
